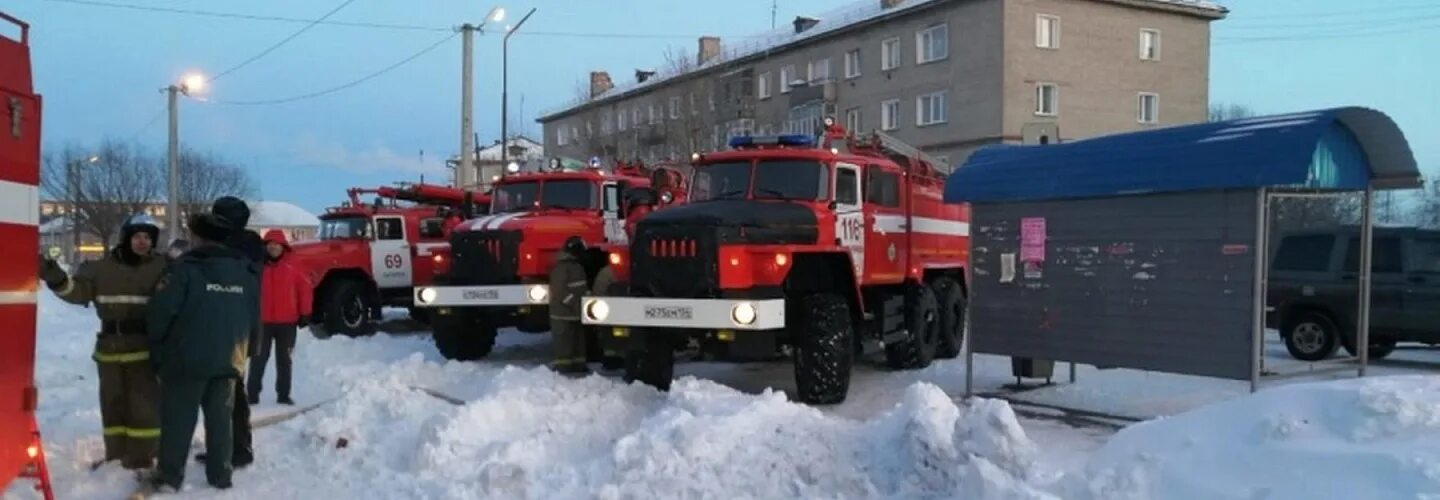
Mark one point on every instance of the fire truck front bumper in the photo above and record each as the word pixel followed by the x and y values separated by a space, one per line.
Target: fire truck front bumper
pixel 486 295
pixel 716 314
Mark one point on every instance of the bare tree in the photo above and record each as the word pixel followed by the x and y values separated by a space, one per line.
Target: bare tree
pixel 1427 213
pixel 118 184
pixel 1220 112
pixel 205 177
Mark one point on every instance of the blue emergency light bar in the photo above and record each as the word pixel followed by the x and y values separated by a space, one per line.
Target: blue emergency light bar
pixel 741 141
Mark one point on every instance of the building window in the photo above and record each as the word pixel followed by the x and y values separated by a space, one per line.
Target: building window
pixel 932 44
pixel 931 109
pixel 589 128
pixel 694 110
pixel 890 54
pixel 890 114
pixel 561 137
pixel 1149 108
pixel 1047 31
pixel 1150 45
pixel 764 85
pixel 654 114
pixel 852 63
pixel 787 75
pixel 620 121
pixel 605 123
pixel 636 117
pixel 819 71
pixel 574 133
pixel 1047 99
pixel 711 97
pixel 852 120
pixel 674 107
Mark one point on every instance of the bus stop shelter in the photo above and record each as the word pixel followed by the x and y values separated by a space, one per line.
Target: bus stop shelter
pixel 1147 250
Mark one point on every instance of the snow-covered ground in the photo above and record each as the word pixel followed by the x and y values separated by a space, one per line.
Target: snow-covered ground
pixel 392 419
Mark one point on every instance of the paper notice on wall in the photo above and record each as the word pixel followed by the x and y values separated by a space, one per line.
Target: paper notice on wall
pixel 1032 239
pixel 1007 268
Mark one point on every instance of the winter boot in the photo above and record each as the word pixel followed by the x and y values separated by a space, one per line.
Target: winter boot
pixel 286 401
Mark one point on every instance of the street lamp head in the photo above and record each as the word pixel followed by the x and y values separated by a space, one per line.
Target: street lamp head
pixel 496 15
pixel 513 167
pixel 92 159
pixel 193 83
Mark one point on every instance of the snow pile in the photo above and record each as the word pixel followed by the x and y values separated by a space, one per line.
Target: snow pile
pixel 1356 438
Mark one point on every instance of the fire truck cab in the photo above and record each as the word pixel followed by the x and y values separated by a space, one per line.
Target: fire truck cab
pixel 502 261
pixel 822 248
pixel 370 255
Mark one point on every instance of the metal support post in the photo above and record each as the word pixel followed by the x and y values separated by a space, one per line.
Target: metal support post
pixel 1367 229
pixel 172 193
pixel 1257 332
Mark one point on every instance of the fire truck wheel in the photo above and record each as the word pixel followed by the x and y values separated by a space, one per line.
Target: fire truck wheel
pixel 420 315
pixel 824 349
pixel 922 322
pixel 463 335
pixel 346 311
pixel 650 359
pixel 952 317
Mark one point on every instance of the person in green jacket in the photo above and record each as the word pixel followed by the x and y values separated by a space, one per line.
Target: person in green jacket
pixel 567 287
pixel 119 285
pixel 199 319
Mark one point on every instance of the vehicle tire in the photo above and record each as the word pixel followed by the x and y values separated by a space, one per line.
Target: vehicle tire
pixel 922 323
pixel 537 320
pixel 1310 336
pixel 1380 348
pixel 951 300
pixel 824 349
pixel 347 311
pixel 464 334
pixel 650 358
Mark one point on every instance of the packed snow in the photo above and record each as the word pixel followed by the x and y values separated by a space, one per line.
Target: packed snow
pixel 280 214
pixel 386 417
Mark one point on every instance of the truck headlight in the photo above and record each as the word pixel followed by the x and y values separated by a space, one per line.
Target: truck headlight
pixel 427 295
pixel 596 309
pixel 538 294
pixel 743 313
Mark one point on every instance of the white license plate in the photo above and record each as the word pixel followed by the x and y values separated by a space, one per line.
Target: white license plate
pixel 683 313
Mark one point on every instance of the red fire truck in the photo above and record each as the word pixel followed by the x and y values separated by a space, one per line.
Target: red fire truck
pixel 501 262
pixel 21 454
pixel 822 248
pixel 370 255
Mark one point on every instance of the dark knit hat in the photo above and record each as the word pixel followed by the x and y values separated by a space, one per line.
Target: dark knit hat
pixel 233 209
pixel 210 227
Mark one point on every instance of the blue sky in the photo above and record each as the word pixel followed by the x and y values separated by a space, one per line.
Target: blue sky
pixel 100 70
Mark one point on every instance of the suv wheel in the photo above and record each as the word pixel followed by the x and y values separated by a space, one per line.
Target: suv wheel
pixel 1311 336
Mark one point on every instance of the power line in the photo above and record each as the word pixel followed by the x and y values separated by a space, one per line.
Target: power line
pixel 340 87
pixel 147 125
pixel 250 17
pixel 283 41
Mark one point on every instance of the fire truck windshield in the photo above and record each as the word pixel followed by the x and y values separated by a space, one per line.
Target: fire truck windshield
pixel 772 179
pixel 347 228
pixel 565 194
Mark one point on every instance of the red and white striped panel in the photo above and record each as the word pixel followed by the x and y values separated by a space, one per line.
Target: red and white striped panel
pixel 19 218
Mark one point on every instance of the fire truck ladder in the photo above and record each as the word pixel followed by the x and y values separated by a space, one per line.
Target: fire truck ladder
pixel 890 144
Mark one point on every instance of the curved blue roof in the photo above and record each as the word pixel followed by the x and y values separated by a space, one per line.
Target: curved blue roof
pixel 1333 149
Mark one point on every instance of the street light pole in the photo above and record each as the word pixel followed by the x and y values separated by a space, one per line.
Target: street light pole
pixel 73 189
pixel 467 87
pixel 505 90
pixel 172 191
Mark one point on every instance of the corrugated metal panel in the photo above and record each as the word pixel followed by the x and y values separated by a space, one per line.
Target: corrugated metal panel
pixel 1149 282
pixel 1272 151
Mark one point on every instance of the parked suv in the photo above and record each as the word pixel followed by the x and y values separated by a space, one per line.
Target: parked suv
pixel 1314 284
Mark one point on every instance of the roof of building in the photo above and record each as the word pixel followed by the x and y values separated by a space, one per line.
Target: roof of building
pixel 844 17
pixel 280 214
pixel 1333 149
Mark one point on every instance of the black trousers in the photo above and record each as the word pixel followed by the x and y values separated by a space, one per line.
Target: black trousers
pixel 282 338
pixel 244 453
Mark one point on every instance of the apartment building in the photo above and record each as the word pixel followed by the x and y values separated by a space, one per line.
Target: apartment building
pixel 948 76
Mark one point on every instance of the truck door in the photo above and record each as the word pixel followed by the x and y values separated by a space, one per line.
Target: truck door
pixel 613 213
pixel 849 216
pixel 390 260
pixel 432 239
pixel 886 228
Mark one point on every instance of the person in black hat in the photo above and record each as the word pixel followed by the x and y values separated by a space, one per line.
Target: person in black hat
pixel 199 319
pixel 567 286
pixel 236 215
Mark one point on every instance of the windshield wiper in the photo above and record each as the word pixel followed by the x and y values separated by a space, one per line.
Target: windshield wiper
pixel 777 194
pixel 728 194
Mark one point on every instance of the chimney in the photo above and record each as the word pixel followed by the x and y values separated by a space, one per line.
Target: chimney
pixel 803 23
pixel 599 83
pixel 709 49
pixel 886 4
pixel 642 74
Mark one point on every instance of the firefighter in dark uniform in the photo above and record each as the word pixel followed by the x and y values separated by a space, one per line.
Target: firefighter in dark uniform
pixel 199 322
pixel 236 214
pixel 120 286
pixel 567 286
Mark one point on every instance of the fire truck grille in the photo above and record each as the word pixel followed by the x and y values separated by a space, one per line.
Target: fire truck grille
pixel 675 262
pixel 485 257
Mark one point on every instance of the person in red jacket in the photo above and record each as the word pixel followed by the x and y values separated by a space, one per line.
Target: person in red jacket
pixel 285 300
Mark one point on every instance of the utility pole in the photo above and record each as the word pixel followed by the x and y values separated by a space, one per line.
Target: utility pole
pixel 505 91
pixel 774 7
pixel 467 76
pixel 172 194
